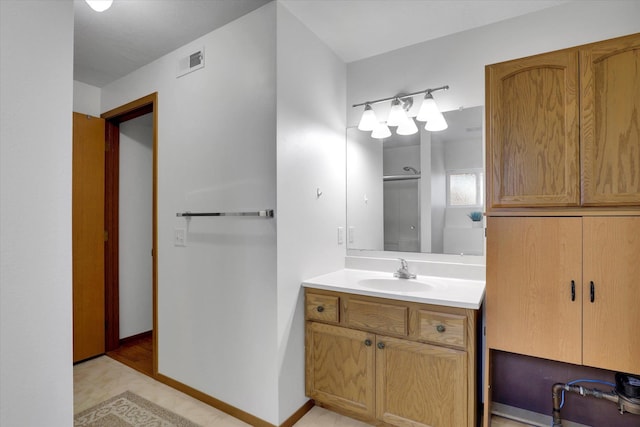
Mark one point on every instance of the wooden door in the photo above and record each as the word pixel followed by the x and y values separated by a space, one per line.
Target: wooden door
pixel 532 266
pixel 340 368
pixel 420 384
pixel 612 317
pixel 610 115
pixel 88 236
pixel 532 137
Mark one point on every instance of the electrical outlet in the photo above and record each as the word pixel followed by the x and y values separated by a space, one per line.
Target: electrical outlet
pixel 179 237
pixel 340 235
pixel 352 234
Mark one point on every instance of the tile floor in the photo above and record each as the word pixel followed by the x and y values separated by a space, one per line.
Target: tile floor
pixel 98 379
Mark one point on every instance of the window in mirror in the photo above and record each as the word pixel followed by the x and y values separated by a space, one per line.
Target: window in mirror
pixel 465 188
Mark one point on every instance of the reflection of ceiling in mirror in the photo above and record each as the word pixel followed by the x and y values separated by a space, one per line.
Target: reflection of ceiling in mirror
pixel 463 124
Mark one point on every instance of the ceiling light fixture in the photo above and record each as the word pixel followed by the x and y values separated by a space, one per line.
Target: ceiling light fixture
pixel 99 5
pixel 398 115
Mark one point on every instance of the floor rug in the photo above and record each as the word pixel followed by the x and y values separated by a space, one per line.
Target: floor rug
pixel 129 410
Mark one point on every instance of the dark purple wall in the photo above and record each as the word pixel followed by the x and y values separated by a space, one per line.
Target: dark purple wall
pixel 525 382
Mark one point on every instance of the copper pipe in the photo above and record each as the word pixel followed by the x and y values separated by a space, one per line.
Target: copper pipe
pixel 556 395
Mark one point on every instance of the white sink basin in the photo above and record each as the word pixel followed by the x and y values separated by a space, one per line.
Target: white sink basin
pixel 396 285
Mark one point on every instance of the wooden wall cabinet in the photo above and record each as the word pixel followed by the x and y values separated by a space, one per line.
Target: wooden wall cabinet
pixel 566 289
pixel 563 128
pixel 391 362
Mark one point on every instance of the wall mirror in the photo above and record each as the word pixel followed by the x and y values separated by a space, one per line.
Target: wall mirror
pixel 418 193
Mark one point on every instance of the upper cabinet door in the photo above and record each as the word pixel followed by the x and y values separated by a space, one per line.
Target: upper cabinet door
pixel 533 146
pixel 610 115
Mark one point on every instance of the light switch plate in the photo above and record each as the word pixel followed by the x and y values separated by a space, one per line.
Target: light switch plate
pixel 179 237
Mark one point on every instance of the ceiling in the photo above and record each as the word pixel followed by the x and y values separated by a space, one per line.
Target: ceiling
pixel 133 33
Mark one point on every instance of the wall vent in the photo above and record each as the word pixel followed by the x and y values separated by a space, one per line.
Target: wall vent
pixel 191 62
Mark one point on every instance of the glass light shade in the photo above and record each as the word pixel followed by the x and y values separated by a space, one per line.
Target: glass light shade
pixel 436 124
pixel 397 115
pixel 381 131
pixel 408 127
pixel 99 5
pixel 368 121
pixel 429 109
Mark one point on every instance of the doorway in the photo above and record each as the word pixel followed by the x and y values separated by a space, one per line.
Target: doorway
pixel 139 350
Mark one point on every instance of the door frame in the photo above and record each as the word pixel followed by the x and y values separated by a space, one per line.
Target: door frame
pixel 113 118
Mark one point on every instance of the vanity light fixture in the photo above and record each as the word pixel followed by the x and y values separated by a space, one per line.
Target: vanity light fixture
pixel 369 121
pixel 381 131
pixel 398 115
pixel 430 113
pixel 99 5
pixel 408 127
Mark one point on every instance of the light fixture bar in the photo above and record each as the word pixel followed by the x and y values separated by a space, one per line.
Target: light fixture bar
pixel 377 101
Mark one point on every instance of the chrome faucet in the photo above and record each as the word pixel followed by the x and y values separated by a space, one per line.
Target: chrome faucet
pixel 403 271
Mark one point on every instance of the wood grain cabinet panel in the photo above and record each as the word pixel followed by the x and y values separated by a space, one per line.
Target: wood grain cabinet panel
pixel 340 368
pixel 378 317
pixel 442 328
pixel 610 122
pixel 420 385
pixel 532 122
pixel 612 317
pixel 323 307
pixel 532 264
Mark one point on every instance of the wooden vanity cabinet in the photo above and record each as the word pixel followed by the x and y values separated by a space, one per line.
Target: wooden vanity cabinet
pixel 392 362
pixel 563 128
pixel 540 301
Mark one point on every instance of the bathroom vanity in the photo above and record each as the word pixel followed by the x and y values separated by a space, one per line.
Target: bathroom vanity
pixel 393 351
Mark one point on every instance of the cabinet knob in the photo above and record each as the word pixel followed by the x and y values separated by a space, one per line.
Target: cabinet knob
pixel 380 345
pixel 441 328
pixel 367 342
pixel 320 309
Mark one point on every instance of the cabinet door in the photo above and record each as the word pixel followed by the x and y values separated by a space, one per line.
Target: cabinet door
pixel 612 316
pixel 610 115
pixel 339 368
pixel 532 139
pixel 531 264
pixel 420 384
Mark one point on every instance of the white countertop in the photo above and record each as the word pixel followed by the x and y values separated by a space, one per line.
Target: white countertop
pixel 445 291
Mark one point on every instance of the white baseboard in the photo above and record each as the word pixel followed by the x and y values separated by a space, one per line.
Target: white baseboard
pixel 528 417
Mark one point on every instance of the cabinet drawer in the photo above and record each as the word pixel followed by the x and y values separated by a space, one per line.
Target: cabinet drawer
pixel 324 308
pixel 377 317
pixel 442 328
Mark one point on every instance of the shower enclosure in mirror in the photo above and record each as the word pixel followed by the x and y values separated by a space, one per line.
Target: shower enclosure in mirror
pixel 418 193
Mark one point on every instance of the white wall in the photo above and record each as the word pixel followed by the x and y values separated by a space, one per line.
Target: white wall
pixel 365 195
pixel 36 57
pixel 459 60
pixel 135 226
pixel 217 152
pixel 86 99
pixel 311 95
